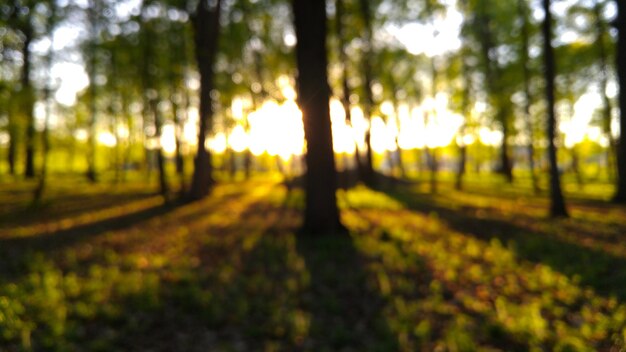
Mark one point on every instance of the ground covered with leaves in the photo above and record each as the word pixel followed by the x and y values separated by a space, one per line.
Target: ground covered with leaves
pixel 101 270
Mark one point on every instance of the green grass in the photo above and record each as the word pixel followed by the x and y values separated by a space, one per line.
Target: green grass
pixel 97 268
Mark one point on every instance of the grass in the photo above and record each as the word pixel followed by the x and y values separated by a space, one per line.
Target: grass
pixel 100 269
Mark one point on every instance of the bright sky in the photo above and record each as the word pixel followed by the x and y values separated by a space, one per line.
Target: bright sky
pixel 277 128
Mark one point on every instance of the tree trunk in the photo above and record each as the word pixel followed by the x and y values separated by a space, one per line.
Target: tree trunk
pixel 12 149
pixel 460 172
pixel 40 189
pixel 28 101
pixel 368 176
pixel 506 167
pixel 321 215
pixel 91 147
pixel 530 150
pixel 206 26
pixel 343 59
pixel 158 126
pixel 557 203
pixel 604 81
pixel 620 195
pixel 492 75
pixel 576 167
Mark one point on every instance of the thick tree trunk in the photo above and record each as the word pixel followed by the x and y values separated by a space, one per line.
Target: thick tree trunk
pixel 206 26
pixel 620 195
pixel 321 215
pixel 557 203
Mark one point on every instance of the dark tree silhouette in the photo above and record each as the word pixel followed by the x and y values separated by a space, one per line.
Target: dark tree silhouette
pixel 321 215
pixel 206 25
pixel 343 60
pixel 557 204
pixel 620 196
pixel 368 175
pixel 92 64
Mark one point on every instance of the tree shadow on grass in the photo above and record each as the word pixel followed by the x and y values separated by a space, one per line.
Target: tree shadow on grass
pixel 602 271
pixel 346 310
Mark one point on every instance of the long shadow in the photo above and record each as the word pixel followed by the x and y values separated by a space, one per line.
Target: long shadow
pixel 16 253
pixel 346 311
pixel 66 206
pixel 602 271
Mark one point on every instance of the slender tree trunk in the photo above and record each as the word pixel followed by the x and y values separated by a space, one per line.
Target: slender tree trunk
pixel 576 166
pixel 92 141
pixel 152 97
pixel 557 203
pixel 603 84
pixel 432 153
pixel 460 172
pixel 12 148
pixel 506 165
pixel 158 125
pixel 28 103
pixel 206 26
pixel 179 125
pixel 620 195
pixel 368 176
pixel 321 215
pixel 129 144
pixel 343 59
pixel 396 109
pixel 530 150
pixel 461 168
pixel 40 189
pixel 492 76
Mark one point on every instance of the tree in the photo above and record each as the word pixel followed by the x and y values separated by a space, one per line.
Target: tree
pixel 557 204
pixel 368 175
pixel 620 195
pixel 321 215
pixel 206 25
pixel 340 31
pixel 522 10
pixel 50 26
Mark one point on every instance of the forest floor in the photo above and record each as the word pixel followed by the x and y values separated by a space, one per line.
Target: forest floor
pixel 100 270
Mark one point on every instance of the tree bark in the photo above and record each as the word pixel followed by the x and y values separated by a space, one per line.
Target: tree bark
pixel 368 176
pixel 321 214
pixel 91 142
pixel 620 195
pixel 343 59
pixel 492 73
pixel 12 148
pixel 28 101
pixel 206 26
pixel 557 203
pixel 604 81
pixel 530 150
